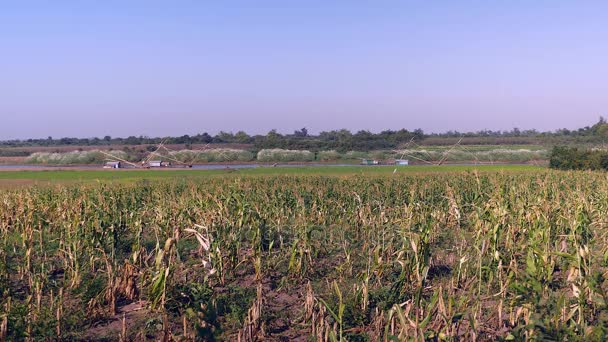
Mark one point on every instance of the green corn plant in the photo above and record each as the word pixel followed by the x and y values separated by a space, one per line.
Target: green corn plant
pixel 338 315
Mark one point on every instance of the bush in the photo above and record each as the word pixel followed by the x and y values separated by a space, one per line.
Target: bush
pixel 328 155
pixel 74 157
pixel 213 155
pixel 356 155
pixel 572 158
pixel 280 155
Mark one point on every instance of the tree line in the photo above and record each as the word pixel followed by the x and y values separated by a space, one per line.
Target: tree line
pixel 340 140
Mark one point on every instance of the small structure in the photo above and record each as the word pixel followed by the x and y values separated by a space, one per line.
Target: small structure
pixel 370 162
pixel 403 162
pixel 158 163
pixel 112 165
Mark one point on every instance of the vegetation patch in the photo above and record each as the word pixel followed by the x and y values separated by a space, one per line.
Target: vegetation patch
pixel 280 155
pixel 74 157
pixel 219 155
pixel 456 255
pixel 573 158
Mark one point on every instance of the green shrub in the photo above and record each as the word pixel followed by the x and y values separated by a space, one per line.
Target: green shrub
pixel 279 155
pixel 328 155
pixel 573 158
pixel 218 155
pixel 74 157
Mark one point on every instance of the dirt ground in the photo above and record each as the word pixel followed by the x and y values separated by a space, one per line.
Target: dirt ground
pixel 12 160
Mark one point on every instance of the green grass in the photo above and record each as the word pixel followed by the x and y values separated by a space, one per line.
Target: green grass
pixel 481 148
pixel 62 176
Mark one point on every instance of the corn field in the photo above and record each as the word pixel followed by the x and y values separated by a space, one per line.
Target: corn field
pixel 462 256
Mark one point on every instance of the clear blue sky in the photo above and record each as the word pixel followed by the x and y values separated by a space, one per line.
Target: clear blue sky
pixel 91 68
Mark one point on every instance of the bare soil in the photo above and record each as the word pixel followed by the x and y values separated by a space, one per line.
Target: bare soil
pixel 12 160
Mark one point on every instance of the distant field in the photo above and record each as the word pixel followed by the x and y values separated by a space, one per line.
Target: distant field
pixel 29 177
pixel 481 148
pixel 199 155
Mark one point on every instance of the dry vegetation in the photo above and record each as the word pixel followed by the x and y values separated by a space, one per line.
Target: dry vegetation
pixel 459 256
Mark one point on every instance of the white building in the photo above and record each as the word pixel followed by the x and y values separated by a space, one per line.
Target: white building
pixel 112 165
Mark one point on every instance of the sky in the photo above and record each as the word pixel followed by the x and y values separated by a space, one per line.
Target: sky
pixel 160 68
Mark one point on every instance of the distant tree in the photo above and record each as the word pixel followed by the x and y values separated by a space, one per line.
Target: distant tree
pixel 224 137
pixel 572 158
pixel 273 139
pixel 242 137
pixel 603 130
pixel 132 140
pixel 204 138
pixel 66 141
pixel 301 133
pixel 273 134
pixel 600 128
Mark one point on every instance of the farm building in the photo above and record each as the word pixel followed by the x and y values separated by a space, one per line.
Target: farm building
pixel 158 163
pixel 112 165
pixel 402 162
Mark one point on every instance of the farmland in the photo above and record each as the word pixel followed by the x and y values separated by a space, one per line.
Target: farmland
pixel 418 154
pixel 17 178
pixel 334 253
